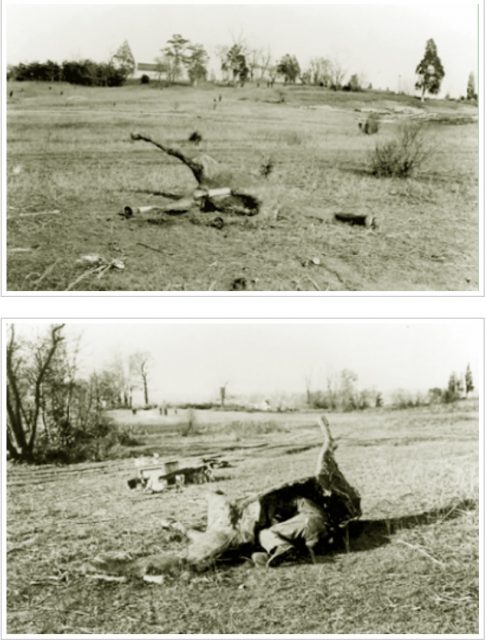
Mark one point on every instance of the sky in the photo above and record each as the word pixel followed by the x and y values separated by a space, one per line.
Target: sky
pixel 382 42
pixel 190 360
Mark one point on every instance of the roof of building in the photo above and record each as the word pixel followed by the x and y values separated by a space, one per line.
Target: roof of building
pixel 147 66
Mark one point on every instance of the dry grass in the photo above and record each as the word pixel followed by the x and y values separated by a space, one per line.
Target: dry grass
pixel 73 153
pixel 413 568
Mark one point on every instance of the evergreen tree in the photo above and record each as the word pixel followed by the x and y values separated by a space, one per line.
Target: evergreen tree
pixel 124 60
pixel 469 379
pixel 430 71
pixel 175 56
pixel 471 89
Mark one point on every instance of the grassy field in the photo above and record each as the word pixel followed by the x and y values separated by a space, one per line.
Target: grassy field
pixel 69 151
pixel 412 567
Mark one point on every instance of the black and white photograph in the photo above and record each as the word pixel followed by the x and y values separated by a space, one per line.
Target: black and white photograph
pixel 242 148
pixel 242 477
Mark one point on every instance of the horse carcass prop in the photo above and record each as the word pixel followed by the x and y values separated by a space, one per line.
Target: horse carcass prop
pixel 234 526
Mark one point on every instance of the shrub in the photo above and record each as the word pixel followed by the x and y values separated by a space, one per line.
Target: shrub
pixel 145 79
pixel 195 137
pixel 266 167
pixel 403 155
pixel 372 124
pixel 77 442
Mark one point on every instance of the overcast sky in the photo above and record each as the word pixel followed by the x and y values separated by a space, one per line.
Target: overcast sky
pixel 191 360
pixel 383 42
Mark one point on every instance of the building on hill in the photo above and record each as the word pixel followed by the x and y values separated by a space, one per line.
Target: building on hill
pixel 150 69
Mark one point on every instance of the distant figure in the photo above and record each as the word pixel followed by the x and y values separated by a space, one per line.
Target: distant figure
pixel 215 104
pixel 62 93
pixel 220 97
pixel 10 94
pixel 134 411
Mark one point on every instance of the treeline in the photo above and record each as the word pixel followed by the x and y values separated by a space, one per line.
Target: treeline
pixel 343 394
pixel 83 72
pixel 459 386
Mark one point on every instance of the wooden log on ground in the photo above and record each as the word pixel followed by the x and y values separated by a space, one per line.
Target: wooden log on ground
pixel 361 219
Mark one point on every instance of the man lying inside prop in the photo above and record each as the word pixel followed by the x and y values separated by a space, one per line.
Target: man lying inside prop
pixel 296 518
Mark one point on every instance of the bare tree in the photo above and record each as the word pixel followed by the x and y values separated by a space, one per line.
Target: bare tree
pixel 139 366
pixel 265 63
pixel 337 73
pixel 25 392
pixel 320 70
pixel 222 393
pixel 308 389
pixel 161 67
pixel 254 58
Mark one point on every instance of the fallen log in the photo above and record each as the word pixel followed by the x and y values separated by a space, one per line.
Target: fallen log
pixel 364 220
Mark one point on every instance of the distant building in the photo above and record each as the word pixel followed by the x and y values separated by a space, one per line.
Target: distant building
pixel 150 69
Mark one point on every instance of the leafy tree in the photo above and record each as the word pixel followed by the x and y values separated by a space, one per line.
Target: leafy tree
pixel 197 63
pixel 234 62
pixel 123 59
pixel 453 391
pixel 354 83
pixel 471 87
pixel 175 54
pixel 289 68
pixel 430 71
pixel 436 395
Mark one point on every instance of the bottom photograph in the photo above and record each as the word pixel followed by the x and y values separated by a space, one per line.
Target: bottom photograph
pixel 241 477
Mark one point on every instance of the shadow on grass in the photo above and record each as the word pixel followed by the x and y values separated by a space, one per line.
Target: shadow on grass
pixel 365 535
pixel 369 534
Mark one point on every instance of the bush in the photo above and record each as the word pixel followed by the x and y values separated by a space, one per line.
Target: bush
pixel 75 442
pixel 372 124
pixel 402 156
pixel 145 79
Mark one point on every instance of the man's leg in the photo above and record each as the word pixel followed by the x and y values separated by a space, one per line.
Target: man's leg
pixel 277 540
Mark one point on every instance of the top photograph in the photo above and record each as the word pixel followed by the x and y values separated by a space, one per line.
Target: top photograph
pixel 242 149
